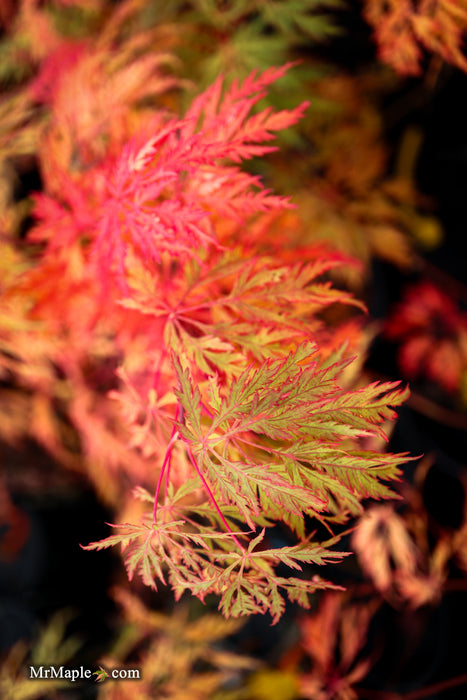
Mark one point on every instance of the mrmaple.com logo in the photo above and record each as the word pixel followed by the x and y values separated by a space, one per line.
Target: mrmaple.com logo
pixel 81 673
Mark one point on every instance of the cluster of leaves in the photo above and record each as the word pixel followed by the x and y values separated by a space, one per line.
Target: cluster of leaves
pixel 270 449
pixel 157 273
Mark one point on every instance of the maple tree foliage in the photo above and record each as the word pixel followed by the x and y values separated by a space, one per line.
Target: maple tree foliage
pixel 259 417
pixel 224 392
pixel 224 402
pixel 171 328
pixel 258 482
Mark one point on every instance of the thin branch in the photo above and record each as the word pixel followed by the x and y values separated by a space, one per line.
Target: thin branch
pixel 180 419
pixel 213 500
pixel 173 439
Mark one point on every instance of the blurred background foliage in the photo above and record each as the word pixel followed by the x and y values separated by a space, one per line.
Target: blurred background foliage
pixel 377 169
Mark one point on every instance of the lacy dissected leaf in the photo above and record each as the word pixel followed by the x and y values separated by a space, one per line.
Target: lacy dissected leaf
pixel 239 309
pixel 280 431
pixel 383 543
pixel 271 445
pixel 202 560
pixel 158 194
pixel 162 191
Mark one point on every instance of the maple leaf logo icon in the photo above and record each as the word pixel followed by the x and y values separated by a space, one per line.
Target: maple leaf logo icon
pixel 101 675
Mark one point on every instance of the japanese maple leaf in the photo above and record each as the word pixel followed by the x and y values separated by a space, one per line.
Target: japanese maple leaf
pixel 163 190
pixel 383 544
pixel 406 562
pixel 158 193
